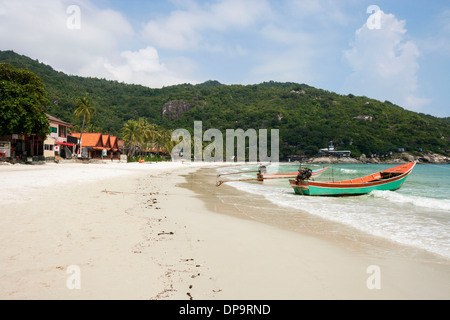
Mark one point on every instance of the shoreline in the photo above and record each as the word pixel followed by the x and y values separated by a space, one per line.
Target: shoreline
pixel 252 206
pixel 340 263
pixel 148 232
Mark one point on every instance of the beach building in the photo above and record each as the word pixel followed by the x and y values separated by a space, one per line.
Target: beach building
pixel 5 149
pixel 91 144
pixel 98 146
pixel 150 149
pixel 56 144
pixel 121 145
pixel 115 150
pixel 111 147
pixel 33 148
pixel 106 142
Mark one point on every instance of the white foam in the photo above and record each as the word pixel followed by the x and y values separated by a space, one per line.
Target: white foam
pixel 348 170
pixel 439 204
pixel 382 214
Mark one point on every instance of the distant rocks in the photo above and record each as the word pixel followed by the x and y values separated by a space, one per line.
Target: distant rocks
pixel 433 158
pixel 397 158
pixel 364 117
pixel 298 91
pixel 173 110
pixel 407 157
pixel 334 160
pixel 279 117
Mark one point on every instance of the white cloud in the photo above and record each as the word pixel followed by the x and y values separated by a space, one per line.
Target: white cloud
pixel 191 28
pixel 385 64
pixel 144 67
pixel 39 30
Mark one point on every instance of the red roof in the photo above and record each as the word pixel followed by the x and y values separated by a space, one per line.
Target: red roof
pixel 106 141
pixel 89 139
pixel 114 143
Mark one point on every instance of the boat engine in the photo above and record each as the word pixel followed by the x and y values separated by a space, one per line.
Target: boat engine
pixel 304 174
pixel 261 171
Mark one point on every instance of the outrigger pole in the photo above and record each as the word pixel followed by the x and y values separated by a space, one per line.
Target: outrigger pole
pixel 219 183
pixel 225 174
pixel 262 175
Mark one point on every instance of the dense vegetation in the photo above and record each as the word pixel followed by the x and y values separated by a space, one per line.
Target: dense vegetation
pixel 307 117
pixel 23 102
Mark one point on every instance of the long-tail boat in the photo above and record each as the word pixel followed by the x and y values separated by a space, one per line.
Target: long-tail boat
pixel 390 179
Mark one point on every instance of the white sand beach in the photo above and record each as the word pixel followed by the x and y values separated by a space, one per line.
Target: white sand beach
pixel 134 231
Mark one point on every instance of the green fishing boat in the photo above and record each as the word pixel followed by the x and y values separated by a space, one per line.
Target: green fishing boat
pixel 390 179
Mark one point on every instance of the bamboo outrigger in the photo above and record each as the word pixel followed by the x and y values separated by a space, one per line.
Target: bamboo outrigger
pixel 263 175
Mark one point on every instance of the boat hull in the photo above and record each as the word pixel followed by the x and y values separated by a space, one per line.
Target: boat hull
pixel 312 190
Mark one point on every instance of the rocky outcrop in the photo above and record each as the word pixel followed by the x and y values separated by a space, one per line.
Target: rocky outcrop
pixel 173 110
pixel 397 158
pixel 334 160
pixel 433 158
pixel 364 117
pixel 407 157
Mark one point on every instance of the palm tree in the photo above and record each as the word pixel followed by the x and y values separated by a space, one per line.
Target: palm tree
pixel 85 109
pixel 132 134
pixel 149 131
pixel 165 141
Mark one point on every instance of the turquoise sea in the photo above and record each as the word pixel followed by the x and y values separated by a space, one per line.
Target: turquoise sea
pixel 417 215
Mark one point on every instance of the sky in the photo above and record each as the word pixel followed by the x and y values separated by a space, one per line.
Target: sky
pixel 397 50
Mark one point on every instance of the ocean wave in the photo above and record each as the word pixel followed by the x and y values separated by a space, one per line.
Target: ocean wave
pixel 380 217
pixel 439 204
pixel 348 170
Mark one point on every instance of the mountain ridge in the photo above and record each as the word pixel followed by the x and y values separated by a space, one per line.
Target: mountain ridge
pixel 307 117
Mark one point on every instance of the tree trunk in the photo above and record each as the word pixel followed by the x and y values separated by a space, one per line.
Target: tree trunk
pixel 81 134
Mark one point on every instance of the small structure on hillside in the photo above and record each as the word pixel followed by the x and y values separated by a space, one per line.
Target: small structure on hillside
pixel 331 152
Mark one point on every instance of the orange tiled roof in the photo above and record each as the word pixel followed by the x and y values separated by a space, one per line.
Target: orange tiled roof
pixel 113 141
pixel 90 139
pixel 106 141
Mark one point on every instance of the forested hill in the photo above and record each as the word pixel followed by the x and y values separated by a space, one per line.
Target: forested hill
pixel 307 117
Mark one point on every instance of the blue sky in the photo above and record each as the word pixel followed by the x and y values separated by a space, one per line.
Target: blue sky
pixel 388 50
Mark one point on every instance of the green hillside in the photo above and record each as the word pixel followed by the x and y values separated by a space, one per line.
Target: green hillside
pixel 307 117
